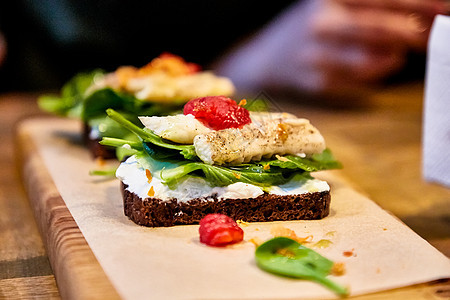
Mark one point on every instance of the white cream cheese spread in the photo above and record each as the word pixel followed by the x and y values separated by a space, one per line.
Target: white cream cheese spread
pixel 134 176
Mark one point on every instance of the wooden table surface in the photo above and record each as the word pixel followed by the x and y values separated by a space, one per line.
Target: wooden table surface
pixel 379 144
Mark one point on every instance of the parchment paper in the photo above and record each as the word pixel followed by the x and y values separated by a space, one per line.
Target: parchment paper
pixel 170 263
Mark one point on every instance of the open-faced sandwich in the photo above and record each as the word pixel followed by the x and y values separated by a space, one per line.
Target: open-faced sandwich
pixel 159 88
pixel 217 157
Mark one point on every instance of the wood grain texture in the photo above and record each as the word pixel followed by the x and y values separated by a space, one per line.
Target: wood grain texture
pixel 39 287
pixel 25 272
pixel 77 271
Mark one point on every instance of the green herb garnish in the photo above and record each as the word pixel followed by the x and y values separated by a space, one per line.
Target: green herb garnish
pixel 175 162
pixel 147 136
pixel 78 100
pixel 286 257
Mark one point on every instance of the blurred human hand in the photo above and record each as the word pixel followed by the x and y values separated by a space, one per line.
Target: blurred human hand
pixel 332 46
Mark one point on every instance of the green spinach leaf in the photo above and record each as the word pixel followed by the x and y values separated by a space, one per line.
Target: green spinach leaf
pixel 286 257
pixel 147 136
pixel 69 102
pixel 316 162
pixel 222 176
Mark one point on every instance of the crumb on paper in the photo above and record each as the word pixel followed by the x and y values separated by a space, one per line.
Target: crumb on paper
pixel 338 269
pixel 331 233
pixel 322 244
pixel 279 230
pixel 349 253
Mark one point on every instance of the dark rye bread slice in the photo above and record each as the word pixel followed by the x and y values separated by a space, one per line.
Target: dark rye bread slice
pixel 154 212
pixel 97 150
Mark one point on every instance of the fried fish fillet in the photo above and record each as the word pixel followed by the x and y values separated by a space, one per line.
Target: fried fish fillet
pixel 259 140
pixel 267 135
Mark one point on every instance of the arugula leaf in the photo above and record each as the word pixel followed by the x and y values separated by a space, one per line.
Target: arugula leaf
pixel 155 165
pixel 147 136
pixel 55 104
pixel 109 128
pixel 286 257
pixel 77 86
pixel 221 176
pixel 327 160
pixel 106 173
pixel 260 105
pixel 96 103
pixel 114 142
pixel 317 162
pixel 74 101
pixel 71 96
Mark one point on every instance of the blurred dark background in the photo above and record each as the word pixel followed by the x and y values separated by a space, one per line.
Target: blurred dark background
pixel 48 41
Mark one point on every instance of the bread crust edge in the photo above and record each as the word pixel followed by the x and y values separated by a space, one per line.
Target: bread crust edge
pixel 154 212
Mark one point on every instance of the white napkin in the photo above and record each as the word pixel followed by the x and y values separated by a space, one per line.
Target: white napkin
pixel 436 129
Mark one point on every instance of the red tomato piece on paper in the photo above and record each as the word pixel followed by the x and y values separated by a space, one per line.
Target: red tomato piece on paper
pixel 219 230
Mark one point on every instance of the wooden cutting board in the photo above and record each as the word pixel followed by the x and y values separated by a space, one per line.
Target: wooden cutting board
pixel 77 271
